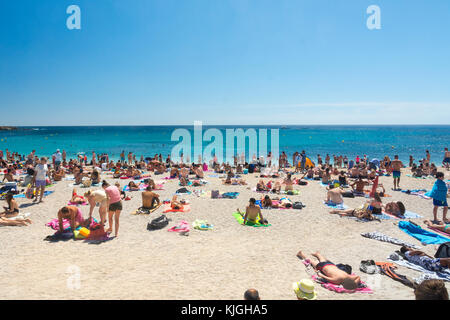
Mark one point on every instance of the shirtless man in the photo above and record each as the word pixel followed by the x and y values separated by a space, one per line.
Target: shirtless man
pixel 396 166
pixel 150 199
pixel 360 184
pixel 334 195
pixel 446 162
pixel 330 272
pixel 252 212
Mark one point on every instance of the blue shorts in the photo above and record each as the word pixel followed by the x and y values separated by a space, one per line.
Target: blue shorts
pixel 447 160
pixel 41 183
pixel 439 203
pixel 396 174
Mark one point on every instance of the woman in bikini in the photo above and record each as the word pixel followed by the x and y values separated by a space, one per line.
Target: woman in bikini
pixel 441 226
pixel 133 186
pixel 11 216
pixel 77 199
pixel 175 204
pixel 13 208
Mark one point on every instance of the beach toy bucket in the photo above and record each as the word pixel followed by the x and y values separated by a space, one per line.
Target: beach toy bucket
pixel 85 232
pixel 245 171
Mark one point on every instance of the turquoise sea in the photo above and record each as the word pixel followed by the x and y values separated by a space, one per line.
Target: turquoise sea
pixel 374 141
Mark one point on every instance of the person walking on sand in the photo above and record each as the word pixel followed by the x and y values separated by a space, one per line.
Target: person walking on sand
pixel 396 166
pixel 114 205
pixel 439 196
pixel 40 178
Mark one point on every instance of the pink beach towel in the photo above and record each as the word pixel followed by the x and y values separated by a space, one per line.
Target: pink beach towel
pixel 54 224
pixel 182 226
pixel 70 203
pixel 339 288
pixel 335 287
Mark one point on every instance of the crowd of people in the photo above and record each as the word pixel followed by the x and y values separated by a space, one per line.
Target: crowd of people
pixel 343 177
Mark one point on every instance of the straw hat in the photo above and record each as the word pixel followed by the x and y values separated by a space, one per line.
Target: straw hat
pixel 304 289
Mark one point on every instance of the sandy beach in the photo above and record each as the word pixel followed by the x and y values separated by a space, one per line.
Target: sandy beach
pixel 215 264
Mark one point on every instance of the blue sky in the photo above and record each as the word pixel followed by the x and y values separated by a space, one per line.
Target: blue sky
pixel 148 62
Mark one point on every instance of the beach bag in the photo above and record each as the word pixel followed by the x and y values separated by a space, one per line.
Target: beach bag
pixel 182 190
pixel 443 251
pixel 345 268
pixel 158 223
pixel 348 194
pixel 297 205
pixel 96 231
pixel 215 194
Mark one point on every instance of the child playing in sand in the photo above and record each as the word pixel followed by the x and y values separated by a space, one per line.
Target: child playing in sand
pixel 439 195
pixel 331 273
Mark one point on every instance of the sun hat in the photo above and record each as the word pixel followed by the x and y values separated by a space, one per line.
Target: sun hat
pixel 304 289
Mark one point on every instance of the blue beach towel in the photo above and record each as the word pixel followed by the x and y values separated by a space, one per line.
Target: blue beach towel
pixel 420 234
pixel 335 206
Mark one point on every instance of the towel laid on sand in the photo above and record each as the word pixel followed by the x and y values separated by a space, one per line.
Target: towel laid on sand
pixel 333 205
pixel 168 208
pixel 382 237
pixel 420 234
pixel 142 210
pixel 426 274
pixel 182 226
pixel 339 288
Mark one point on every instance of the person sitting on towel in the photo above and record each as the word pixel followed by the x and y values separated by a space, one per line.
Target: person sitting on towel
pixel 198 170
pixel 289 183
pixel 360 184
pixel 13 208
pixel 175 204
pixel 252 212
pixel 334 195
pixel 150 200
pixel 331 273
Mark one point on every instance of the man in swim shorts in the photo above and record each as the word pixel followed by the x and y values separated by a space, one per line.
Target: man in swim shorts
pixel 252 212
pixel 396 166
pixel 331 273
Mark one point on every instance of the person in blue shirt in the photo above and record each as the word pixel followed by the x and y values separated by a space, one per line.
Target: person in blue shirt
pixel 439 195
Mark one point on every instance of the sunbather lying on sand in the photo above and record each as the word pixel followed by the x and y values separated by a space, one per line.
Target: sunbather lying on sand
pixel 76 198
pixel 133 186
pixel 395 208
pixel 441 226
pixel 364 212
pixel 14 222
pixel 424 260
pixel 330 272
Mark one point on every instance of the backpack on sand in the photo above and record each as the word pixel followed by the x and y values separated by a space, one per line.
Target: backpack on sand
pixel 158 223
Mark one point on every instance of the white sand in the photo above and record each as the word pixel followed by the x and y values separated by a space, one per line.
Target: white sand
pixel 217 264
